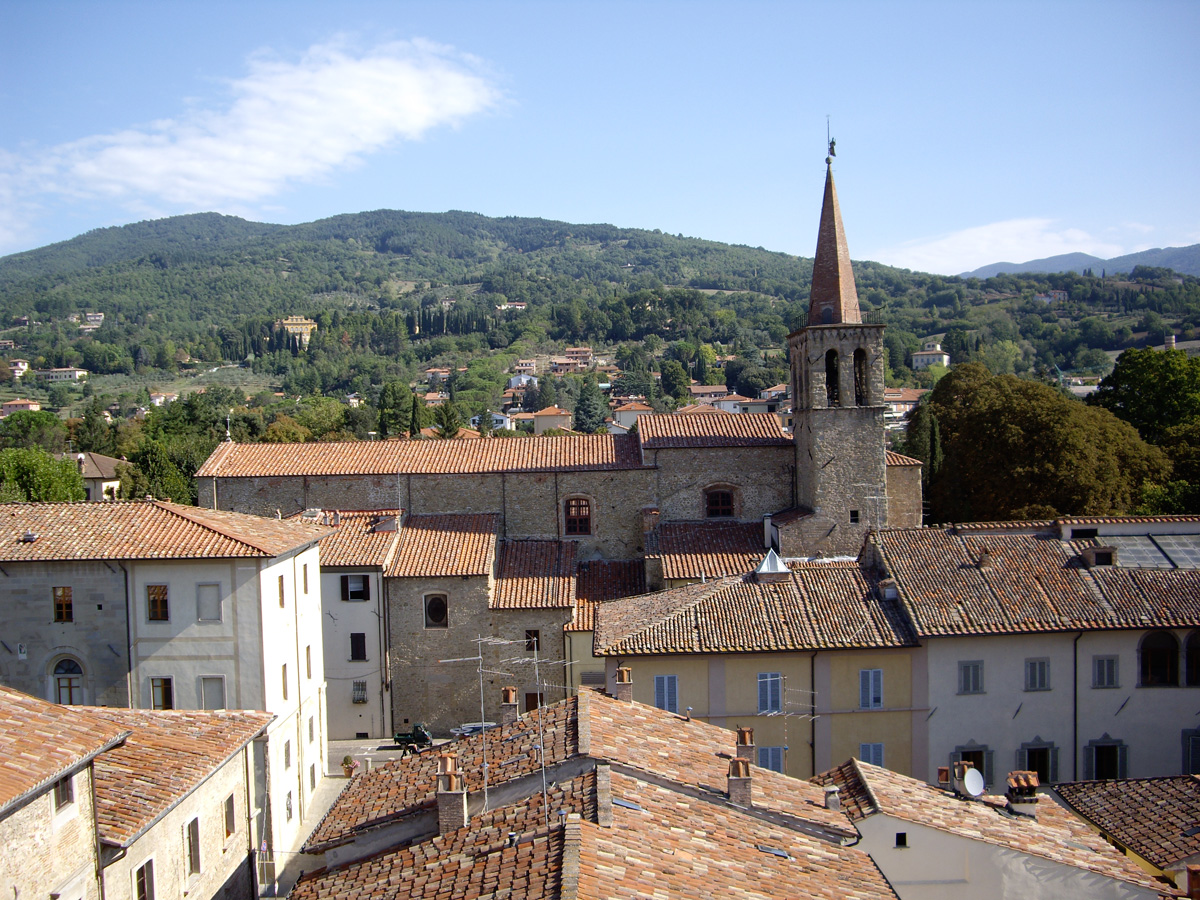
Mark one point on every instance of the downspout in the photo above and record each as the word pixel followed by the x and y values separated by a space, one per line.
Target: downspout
pixel 250 858
pixel 301 747
pixel 385 663
pixel 812 710
pixel 96 830
pixel 128 639
pixel 1074 708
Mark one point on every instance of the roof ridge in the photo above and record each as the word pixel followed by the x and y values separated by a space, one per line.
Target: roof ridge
pixel 177 510
pixel 709 587
pixel 855 764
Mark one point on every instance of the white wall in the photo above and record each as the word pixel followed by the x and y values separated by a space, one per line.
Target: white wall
pixel 340 619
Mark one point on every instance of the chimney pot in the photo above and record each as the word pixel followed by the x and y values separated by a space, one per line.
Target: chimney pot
pixel 745 743
pixel 624 684
pixel 943 774
pixel 833 797
pixel 451 795
pixel 1022 793
pixel 739 782
pixel 508 705
pixel 1193 882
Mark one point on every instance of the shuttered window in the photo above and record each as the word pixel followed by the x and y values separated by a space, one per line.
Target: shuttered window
pixel 770 692
pixel 770 758
pixel 870 689
pixel 666 692
pixel 871 754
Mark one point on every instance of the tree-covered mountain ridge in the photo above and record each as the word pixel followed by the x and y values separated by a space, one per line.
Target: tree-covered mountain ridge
pixel 1185 260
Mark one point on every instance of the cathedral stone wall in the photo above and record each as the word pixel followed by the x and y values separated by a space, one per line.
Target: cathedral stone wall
pixel 904 496
pixel 761 479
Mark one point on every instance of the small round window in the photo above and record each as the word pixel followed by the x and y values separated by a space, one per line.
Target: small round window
pixel 435 611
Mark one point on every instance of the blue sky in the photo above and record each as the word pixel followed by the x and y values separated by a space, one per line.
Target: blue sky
pixel 967 132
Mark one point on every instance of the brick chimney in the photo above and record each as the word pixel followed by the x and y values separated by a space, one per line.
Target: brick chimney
pixel 1022 793
pixel 451 795
pixel 1193 882
pixel 649 519
pixel 624 684
pixel 745 743
pixel 739 782
pixel 508 705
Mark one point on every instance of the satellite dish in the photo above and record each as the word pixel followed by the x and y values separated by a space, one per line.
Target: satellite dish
pixel 973 782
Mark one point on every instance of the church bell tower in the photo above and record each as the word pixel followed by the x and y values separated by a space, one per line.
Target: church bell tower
pixel 837 365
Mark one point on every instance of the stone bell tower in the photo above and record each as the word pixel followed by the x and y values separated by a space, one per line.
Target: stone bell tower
pixel 837 388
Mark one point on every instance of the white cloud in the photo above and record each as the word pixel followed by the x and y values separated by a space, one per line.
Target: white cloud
pixel 1014 240
pixel 285 122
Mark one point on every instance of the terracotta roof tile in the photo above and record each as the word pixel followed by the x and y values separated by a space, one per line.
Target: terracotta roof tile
pixel 1150 816
pixel 821 606
pixel 899 459
pixel 688 752
pixel 530 454
pixel 535 575
pixel 446 545
pixel 729 430
pixel 40 742
pixel 142 530
pixel 598 582
pixel 1031 582
pixel 1055 834
pixel 166 756
pixel 709 549
pixel 361 538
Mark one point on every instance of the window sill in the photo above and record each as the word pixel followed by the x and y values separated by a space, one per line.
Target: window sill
pixel 971 693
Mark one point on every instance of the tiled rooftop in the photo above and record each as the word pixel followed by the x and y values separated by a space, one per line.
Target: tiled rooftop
pixel 899 459
pixel 1153 817
pixel 1055 834
pixel 821 606
pixel 151 529
pixel 446 545
pixel 361 538
pixel 40 742
pixel 743 430
pixel 527 454
pixel 709 549
pixel 598 582
pixel 535 575
pixel 1031 582
pixel 668 746
pixel 167 755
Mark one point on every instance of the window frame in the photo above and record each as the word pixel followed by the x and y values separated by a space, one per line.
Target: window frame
pixel 713 508
pixel 361 594
pixel 162 692
pixel 770 693
pixel 285 682
pixel 1105 742
pixel 230 816
pixel 193 847
pixel 220 679
pixel 143 881
pixel 1152 658
pixel 64 794
pixel 436 623
pixel 533 640
pixel 158 608
pixel 1191 659
pixel 577 516
pixel 358 691
pixel 1104 659
pixel 769 755
pixel 666 693
pixel 64 605
pixel 72 681
pixel 868 681
pixel 986 754
pixel 1037 744
pixel 200 610
pixel 871 751
pixel 358 653
pixel 282 594
pixel 1037 673
pixel 976 685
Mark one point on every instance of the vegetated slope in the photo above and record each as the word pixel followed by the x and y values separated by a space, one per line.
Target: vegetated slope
pixel 1184 260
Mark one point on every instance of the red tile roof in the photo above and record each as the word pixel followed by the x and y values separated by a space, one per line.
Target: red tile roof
pixel 708 549
pixel 446 545
pixel 821 606
pixel 1055 834
pixel 600 581
pixel 1150 816
pixel 529 454
pixel 1033 582
pixel 535 575
pixel 142 530
pixel 40 742
pixel 898 459
pixel 167 755
pixel 361 538
pixel 687 752
pixel 728 430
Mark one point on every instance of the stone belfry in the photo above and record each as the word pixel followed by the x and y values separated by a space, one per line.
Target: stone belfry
pixel 837 388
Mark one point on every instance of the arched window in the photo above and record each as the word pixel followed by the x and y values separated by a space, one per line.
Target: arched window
pixel 719 503
pixel 827 315
pixel 68 682
pixel 831 379
pixel 1192 649
pixel 1159 660
pixel 860 377
pixel 577 516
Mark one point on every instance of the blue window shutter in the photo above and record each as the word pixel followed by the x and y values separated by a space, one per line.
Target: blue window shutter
pixel 776 693
pixel 764 695
pixel 864 688
pixel 876 688
pixel 660 691
pixel 673 693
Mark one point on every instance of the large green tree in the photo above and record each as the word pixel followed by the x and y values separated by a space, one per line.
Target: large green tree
pixel 29 428
pixel 1020 449
pixel 447 420
pixel 590 409
pixel 1153 390
pixel 30 473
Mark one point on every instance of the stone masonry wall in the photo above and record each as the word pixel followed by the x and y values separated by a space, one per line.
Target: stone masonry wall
pixel 904 496
pixel 761 477
pixel 43 852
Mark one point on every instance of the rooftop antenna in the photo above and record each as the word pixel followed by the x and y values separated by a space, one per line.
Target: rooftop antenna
pixel 228 436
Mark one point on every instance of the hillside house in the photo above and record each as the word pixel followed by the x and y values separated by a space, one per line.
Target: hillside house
pixel 931 355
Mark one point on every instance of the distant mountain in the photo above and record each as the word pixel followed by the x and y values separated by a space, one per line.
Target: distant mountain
pixel 1185 260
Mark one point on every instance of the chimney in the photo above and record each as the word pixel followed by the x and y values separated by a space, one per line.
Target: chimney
pixel 451 795
pixel 1022 793
pixel 624 684
pixel 745 743
pixel 944 775
pixel 79 460
pixel 1193 882
pixel 833 797
pixel 1169 343
pixel 508 705
pixel 649 519
pixel 739 782
pixel 1099 556
pixel 985 559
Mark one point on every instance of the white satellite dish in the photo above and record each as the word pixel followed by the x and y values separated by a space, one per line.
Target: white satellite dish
pixel 973 782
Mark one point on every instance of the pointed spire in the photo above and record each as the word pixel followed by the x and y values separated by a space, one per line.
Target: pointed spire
pixel 834 298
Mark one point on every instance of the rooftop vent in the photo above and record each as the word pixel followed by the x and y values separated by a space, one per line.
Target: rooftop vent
pixel 985 559
pixel 772 568
pixel 1099 556
pixel 28 537
pixel 833 797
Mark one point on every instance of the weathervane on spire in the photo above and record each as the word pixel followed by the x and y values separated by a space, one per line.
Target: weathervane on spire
pixel 832 143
